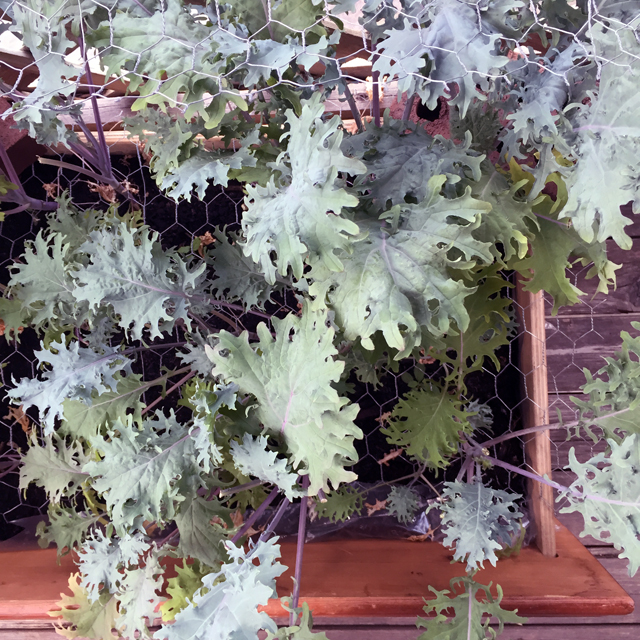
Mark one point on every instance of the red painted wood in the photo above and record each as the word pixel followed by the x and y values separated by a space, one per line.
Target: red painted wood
pixel 365 578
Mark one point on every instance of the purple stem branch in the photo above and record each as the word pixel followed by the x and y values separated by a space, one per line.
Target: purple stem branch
pixel 255 515
pixel 353 106
pixel 302 530
pixel 9 168
pixel 375 98
pixel 241 487
pixel 406 114
pixel 557 485
pixel 171 389
pixel 275 520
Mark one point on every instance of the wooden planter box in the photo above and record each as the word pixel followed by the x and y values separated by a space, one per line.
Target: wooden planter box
pixel 357 580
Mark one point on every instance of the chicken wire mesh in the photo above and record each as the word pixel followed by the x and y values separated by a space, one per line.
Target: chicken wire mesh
pixel 188 42
pixel 180 224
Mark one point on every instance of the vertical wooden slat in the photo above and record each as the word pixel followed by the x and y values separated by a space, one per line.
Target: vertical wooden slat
pixel 535 412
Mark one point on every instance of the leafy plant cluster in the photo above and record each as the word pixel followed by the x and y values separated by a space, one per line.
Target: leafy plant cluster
pixel 394 243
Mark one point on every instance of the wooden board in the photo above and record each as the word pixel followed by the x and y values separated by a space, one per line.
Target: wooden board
pixel 370 578
pixel 535 412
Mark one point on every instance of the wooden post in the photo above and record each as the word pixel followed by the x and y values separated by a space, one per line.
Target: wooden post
pixel 535 412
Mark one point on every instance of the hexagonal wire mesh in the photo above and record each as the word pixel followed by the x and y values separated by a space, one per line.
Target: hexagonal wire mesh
pixel 180 223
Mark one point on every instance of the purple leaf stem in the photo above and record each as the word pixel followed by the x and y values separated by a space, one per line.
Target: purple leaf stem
pixel 353 106
pixel 255 515
pixel 173 388
pixel 375 98
pixel 557 485
pixel 406 114
pixel 275 520
pixel 302 530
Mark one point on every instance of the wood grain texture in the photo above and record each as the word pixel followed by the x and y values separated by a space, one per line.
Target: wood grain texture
pixel 370 578
pixel 535 412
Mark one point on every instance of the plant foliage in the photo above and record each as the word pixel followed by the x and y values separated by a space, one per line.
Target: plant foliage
pixel 365 245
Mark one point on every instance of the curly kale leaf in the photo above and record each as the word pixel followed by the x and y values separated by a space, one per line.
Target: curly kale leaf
pixel 403 502
pixel 76 372
pixel 143 283
pixel 427 423
pixel 472 616
pixel 301 213
pixel 477 521
pixel 341 504
pixel 396 279
pixel 606 494
pixel 291 376
pixel 142 474
pixel 226 606
pixel 253 458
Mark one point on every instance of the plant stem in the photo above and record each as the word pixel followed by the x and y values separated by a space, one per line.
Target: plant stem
pixel 557 485
pixel 406 114
pixel 255 515
pixel 375 98
pixel 241 487
pixel 9 168
pixel 302 530
pixel 71 167
pixel 275 520
pixel 354 107
pixel 177 385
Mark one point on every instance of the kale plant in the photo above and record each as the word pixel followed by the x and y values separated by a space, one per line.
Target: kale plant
pixel 393 243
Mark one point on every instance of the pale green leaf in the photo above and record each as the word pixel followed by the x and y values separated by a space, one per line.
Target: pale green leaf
pixel 291 377
pixel 611 506
pixel 253 458
pixel 403 502
pixel 472 615
pixel 143 283
pixel 300 213
pixel 478 521
pixel 55 467
pixel 76 372
pixel 228 608
pixel 397 280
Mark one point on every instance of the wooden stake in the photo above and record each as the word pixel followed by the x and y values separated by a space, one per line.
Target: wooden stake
pixel 535 412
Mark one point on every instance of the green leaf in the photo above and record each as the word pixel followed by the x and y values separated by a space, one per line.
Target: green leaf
pixel 606 145
pixel 427 423
pixel 302 630
pixel 75 374
pixel 253 458
pixel 44 282
pixel 202 168
pixel 237 276
pixel 291 377
pixel 490 327
pixel 6 185
pixel 101 559
pixel 478 521
pixel 453 48
pixel 398 281
pixel 300 214
pixel 275 20
pixel 86 420
pixel 43 26
pixel 139 598
pixel 55 467
pixel 182 587
pixel 141 473
pixel 169 52
pixel 143 283
pixel 86 619
pixel 339 505
pixel 614 400
pixel 201 537
pixel 403 502
pixel 610 508
pixel 471 616
pixel 67 527
pixel 228 608
pixel 401 158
